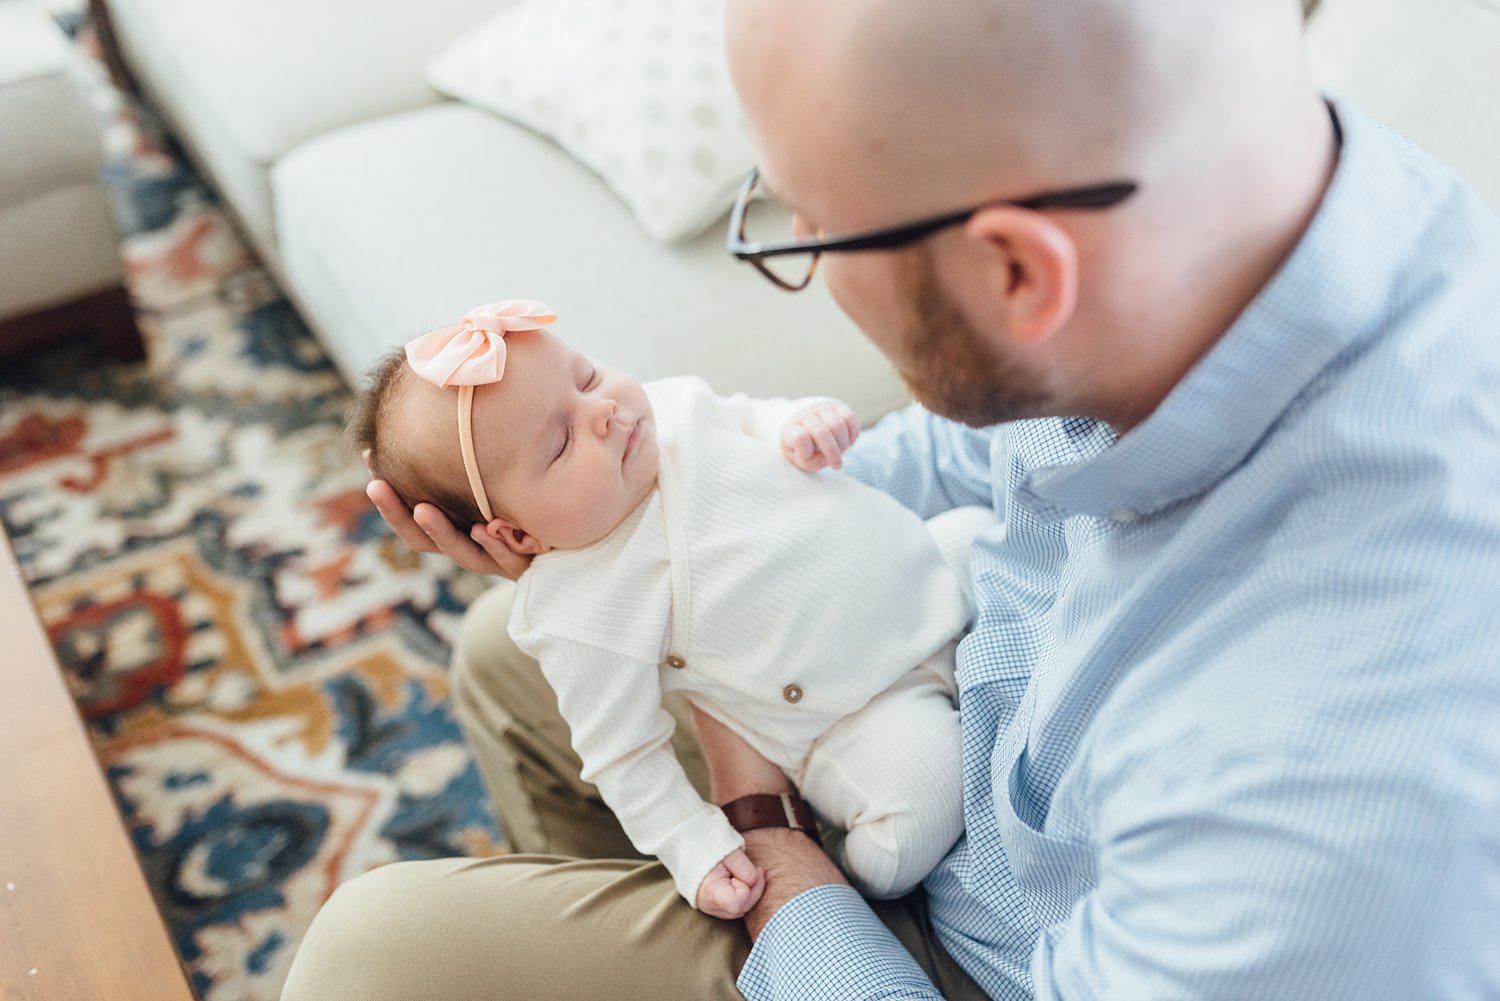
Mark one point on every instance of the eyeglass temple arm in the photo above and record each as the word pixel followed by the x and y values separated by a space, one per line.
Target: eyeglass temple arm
pixel 1099 196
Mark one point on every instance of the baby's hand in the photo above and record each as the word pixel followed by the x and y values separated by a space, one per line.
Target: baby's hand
pixel 732 887
pixel 817 437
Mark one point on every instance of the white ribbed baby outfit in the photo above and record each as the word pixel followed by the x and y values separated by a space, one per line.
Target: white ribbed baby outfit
pixel 781 603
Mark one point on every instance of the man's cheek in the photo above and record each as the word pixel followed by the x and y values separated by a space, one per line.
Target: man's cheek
pixel 867 294
pixel 845 285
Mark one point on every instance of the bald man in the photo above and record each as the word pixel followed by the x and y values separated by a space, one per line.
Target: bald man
pixel 1224 359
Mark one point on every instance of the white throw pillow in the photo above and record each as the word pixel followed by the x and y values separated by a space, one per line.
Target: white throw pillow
pixel 637 90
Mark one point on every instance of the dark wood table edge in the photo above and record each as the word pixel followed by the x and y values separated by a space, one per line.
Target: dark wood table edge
pixel 34 704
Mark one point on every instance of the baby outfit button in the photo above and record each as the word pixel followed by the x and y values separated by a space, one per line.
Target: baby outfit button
pixel 676 661
pixel 792 693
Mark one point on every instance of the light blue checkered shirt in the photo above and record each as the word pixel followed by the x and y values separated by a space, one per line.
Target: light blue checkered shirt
pixel 1231 707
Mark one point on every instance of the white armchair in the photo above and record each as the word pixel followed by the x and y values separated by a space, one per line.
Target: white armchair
pixel 60 268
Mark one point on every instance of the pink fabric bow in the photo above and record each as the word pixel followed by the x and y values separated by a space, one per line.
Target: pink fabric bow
pixel 473 353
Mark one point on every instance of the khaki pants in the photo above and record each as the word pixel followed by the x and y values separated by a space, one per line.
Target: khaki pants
pixel 579 915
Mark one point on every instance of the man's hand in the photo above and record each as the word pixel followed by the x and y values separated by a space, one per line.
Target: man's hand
pixel 428 530
pixel 791 861
pixel 818 436
pixel 731 888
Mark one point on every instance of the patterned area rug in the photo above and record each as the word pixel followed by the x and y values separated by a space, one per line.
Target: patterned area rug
pixel 262 665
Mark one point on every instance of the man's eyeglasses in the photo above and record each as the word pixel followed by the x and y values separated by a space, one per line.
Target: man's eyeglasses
pixel 790 264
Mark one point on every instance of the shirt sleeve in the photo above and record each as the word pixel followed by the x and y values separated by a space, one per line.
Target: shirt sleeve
pixel 826 943
pixel 613 707
pixel 928 463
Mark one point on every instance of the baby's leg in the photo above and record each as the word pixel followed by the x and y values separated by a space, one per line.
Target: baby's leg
pixel 891 776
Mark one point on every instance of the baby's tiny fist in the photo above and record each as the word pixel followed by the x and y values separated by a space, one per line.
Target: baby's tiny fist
pixel 716 894
pixel 817 437
pixel 801 453
pixel 731 888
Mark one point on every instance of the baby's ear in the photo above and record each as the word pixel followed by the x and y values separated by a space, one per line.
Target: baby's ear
pixel 515 538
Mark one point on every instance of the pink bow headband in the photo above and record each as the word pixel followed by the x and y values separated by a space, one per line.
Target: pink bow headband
pixel 473 354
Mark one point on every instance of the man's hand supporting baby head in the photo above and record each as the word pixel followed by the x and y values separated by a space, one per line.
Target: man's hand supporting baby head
pixel 427 530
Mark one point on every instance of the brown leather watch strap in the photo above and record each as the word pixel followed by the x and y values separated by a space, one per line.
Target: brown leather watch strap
pixel 749 813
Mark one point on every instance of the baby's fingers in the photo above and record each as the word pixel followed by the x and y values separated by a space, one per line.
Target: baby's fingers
pixel 740 867
pixel 851 424
pixel 828 445
pixel 841 431
pixel 801 451
pixel 727 900
pixel 845 425
pixel 803 444
pixel 711 893
pixel 735 898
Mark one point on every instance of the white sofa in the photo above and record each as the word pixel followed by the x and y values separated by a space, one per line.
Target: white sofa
pixel 311 117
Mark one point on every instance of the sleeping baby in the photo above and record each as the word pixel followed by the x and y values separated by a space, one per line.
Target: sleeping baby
pixel 685 540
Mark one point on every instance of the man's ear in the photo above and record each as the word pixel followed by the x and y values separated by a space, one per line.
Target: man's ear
pixel 1033 269
pixel 515 538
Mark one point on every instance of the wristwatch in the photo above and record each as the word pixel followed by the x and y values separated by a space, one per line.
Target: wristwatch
pixel 749 813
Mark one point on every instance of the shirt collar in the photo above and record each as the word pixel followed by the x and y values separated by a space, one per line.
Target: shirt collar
pixel 1329 294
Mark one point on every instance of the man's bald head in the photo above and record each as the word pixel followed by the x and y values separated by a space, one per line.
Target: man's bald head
pixel 980 98
pixel 872 113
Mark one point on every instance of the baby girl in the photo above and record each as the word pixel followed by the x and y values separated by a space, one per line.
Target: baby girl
pixel 681 542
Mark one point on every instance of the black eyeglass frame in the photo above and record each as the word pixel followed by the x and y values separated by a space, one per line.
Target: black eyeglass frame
pixel 1090 197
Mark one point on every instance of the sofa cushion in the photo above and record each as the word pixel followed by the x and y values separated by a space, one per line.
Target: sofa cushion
pixel 51 133
pixel 638 92
pixel 1428 70
pixel 247 80
pixel 385 233
pixel 56 247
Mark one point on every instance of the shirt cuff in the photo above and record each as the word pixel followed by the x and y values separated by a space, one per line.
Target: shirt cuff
pixel 695 846
pixel 827 943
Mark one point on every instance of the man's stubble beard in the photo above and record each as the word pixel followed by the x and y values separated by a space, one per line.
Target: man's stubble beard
pixel 948 366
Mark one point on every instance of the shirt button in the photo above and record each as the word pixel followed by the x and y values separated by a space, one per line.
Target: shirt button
pixel 676 661
pixel 1124 515
pixel 792 693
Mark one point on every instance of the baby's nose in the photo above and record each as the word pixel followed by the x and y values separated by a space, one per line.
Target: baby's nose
pixel 604 416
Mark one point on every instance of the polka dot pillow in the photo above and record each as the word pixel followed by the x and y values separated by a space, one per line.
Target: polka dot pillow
pixel 637 90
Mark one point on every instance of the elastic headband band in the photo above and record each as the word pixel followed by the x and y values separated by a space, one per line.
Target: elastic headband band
pixel 466 446
pixel 473 354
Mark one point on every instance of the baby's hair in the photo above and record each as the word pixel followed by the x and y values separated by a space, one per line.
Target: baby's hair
pixel 407 469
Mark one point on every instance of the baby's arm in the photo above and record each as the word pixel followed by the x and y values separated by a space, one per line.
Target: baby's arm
pixel 612 704
pixel 818 435
pixel 812 433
